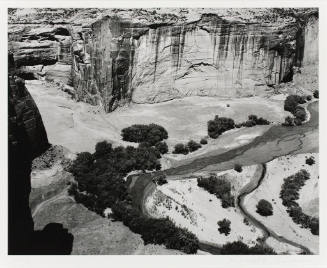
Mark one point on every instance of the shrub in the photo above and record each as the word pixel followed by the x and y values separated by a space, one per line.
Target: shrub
pixel 264 208
pixel 162 147
pixel 292 101
pixel 310 161
pixel 239 248
pixel 144 133
pixel 252 121
pixel 219 125
pixel 309 98
pixel 224 226
pixel 297 121
pixel 193 146
pixel 316 94
pixel 156 231
pixel 238 168
pixel 220 187
pixel 203 141
pixel 180 148
pixel 300 113
pixel 102 148
pixel 262 121
pixel 160 179
pixel 289 121
pixel 249 123
pixel 290 194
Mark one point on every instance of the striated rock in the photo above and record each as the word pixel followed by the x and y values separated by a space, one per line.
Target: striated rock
pixel 153 55
pixel 211 57
pixel 117 61
pixel 306 78
pixel 27 139
pixel 58 73
pixel 34 52
pixel 45 45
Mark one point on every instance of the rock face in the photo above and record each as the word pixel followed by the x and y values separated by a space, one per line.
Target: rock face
pixel 307 76
pixel 42 52
pixel 112 57
pixel 27 139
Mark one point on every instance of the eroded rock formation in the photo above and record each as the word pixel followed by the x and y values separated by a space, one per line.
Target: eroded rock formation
pixel 112 57
pixel 27 139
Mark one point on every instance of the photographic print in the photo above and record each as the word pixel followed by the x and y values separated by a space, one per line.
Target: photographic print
pixel 163 131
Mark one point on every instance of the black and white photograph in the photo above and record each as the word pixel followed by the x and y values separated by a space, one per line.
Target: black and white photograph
pixel 163 131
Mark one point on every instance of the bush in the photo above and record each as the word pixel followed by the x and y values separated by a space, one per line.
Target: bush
pixel 144 133
pixel 224 226
pixel 160 179
pixel 252 121
pixel 249 123
pixel 300 113
pixel 102 148
pixel 156 231
pixel 310 161
pixel 289 121
pixel 262 121
pixel 239 248
pixel 180 148
pixel 193 146
pixel 203 141
pixel 297 121
pixel 219 125
pixel 238 168
pixel 290 194
pixel 309 98
pixel 162 147
pixel 316 94
pixel 264 208
pixel 292 101
pixel 221 188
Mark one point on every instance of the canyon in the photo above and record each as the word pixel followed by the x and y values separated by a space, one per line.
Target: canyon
pixel 79 76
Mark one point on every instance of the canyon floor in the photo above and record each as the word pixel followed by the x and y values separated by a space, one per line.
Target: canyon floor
pixel 78 127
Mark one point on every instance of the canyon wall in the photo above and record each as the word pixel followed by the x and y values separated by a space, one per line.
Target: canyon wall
pixel 27 139
pixel 209 57
pixel 142 57
pixel 307 77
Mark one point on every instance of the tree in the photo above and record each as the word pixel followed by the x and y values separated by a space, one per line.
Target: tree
pixel 309 97
pixel 151 133
pixel 310 161
pixel 316 94
pixel 289 121
pixel 300 113
pixel 193 146
pixel 203 141
pixel 162 147
pixel 224 226
pixel 102 148
pixel 238 168
pixel 264 208
pixel 219 125
pixel 180 148
pixel 292 101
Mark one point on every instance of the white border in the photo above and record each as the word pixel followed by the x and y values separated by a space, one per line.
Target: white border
pixel 161 261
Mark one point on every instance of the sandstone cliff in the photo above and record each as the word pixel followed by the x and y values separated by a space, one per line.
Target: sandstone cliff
pixel 27 139
pixel 112 57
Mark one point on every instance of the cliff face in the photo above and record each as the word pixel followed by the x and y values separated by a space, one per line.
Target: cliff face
pixel 146 57
pixel 307 77
pixel 27 139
